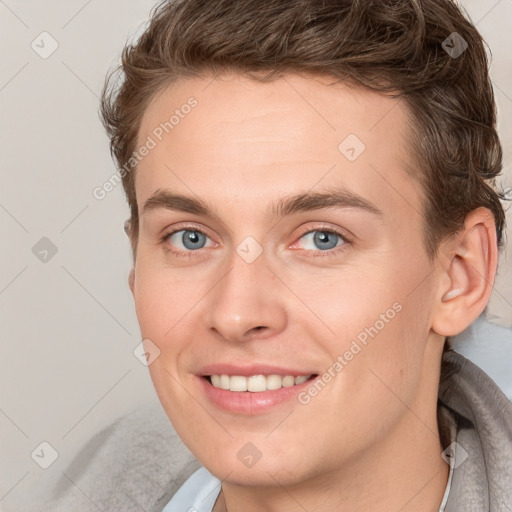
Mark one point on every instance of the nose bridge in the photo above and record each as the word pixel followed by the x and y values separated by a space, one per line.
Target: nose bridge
pixel 245 300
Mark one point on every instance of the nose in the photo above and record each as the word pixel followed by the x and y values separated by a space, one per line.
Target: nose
pixel 247 302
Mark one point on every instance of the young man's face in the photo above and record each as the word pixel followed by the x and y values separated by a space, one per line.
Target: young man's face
pixel 259 289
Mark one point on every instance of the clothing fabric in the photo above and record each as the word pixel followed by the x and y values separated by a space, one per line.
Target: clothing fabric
pixel 197 494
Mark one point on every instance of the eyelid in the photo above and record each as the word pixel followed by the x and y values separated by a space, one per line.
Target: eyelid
pixel 324 226
pixel 320 228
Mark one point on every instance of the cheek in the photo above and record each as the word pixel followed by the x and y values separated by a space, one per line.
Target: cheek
pixel 377 322
pixel 392 338
pixel 164 299
pixel 347 303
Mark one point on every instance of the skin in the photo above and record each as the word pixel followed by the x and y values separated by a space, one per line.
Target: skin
pixel 369 440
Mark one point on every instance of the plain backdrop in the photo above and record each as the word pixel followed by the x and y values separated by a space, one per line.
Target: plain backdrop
pixel 68 324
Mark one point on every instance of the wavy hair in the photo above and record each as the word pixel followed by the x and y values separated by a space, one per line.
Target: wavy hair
pixel 405 48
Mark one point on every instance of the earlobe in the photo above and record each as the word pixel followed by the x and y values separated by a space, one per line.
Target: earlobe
pixel 469 276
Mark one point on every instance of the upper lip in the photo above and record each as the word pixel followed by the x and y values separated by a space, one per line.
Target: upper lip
pixel 248 370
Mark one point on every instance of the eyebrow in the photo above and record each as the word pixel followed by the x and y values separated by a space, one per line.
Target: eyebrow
pixel 297 203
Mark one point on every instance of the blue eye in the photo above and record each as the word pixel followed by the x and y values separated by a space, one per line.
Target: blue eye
pixel 323 240
pixel 191 239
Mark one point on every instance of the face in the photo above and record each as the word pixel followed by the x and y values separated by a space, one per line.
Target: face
pixel 280 234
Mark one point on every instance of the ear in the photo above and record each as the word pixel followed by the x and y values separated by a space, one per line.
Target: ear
pixel 127 226
pixel 131 276
pixel 469 261
pixel 131 279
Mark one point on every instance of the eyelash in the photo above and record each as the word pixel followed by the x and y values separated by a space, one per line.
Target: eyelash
pixel 317 253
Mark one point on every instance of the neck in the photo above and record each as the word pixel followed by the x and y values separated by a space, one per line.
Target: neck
pixel 408 474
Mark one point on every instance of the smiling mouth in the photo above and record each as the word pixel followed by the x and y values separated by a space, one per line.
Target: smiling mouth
pixel 256 383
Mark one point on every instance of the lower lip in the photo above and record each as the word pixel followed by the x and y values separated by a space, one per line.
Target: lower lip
pixel 248 402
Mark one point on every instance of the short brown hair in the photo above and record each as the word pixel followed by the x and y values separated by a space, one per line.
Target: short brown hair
pixel 389 46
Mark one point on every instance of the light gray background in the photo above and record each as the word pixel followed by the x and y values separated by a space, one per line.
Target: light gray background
pixel 68 325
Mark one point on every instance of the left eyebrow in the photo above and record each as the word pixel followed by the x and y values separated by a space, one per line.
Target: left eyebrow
pixel 297 203
pixel 333 197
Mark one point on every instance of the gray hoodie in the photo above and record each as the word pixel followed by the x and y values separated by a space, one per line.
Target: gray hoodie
pixel 476 416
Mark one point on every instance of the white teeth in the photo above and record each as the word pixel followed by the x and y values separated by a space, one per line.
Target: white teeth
pixel 224 382
pixel 274 382
pixel 256 383
pixel 288 381
pixel 220 381
pixel 237 383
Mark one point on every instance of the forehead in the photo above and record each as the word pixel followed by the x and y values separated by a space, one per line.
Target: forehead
pixel 268 138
